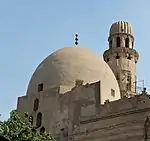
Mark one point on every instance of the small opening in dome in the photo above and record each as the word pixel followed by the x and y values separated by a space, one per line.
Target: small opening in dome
pixel 113 92
pixel 36 105
pixel 40 87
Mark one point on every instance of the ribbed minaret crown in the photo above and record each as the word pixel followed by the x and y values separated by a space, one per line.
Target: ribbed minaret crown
pixel 121 27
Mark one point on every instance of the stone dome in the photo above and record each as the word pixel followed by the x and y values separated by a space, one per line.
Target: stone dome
pixel 66 65
pixel 121 27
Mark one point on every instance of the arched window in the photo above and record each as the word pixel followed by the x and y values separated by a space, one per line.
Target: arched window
pixel 36 104
pixel 39 119
pixel 118 41
pixel 110 44
pixel 127 42
pixel 42 130
pixel 117 56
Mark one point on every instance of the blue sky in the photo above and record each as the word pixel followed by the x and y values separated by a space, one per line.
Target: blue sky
pixel 32 29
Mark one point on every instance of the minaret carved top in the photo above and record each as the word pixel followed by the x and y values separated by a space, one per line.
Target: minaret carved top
pixel 121 27
pixel 122 57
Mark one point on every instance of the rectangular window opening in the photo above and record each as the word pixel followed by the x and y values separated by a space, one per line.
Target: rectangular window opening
pixel 113 92
pixel 40 87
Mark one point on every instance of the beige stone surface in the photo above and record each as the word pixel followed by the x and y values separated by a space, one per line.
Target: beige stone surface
pixel 124 67
pixel 123 124
pixel 121 27
pixel 81 99
pixel 65 66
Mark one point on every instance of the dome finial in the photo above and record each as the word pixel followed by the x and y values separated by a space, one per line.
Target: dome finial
pixel 76 39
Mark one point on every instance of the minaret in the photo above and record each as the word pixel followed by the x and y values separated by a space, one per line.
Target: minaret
pixel 122 57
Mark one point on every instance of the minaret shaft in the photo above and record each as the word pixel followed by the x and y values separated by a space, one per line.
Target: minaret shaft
pixel 122 58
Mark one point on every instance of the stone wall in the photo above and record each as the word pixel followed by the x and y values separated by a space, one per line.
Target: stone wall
pixel 78 114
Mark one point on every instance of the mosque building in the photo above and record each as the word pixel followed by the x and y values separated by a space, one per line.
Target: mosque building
pixel 76 95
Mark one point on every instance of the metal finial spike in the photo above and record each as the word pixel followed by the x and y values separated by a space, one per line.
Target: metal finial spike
pixel 76 39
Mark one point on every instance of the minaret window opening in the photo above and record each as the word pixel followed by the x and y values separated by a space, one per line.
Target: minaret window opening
pixel 117 77
pixel 129 82
pixel 118 42
pixel 128 77
pixel 129 57
pixel 127 42
pixel 110 44
pixel 36 105
pixel 39 119
pixel 128 87
pixel 117 56
pixel 132 44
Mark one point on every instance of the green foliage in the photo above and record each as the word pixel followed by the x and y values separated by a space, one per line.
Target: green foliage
pixel 18 128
